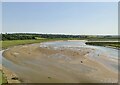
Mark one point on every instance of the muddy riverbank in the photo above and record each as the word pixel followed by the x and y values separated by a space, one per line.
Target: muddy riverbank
pixel 68 62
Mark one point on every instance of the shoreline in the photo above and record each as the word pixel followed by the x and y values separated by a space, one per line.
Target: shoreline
pixel 103 44
pixel 7 75
pixel 25 47
pixel 10 76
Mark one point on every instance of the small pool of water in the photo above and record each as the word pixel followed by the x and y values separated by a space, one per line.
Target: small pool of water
pixel 113 53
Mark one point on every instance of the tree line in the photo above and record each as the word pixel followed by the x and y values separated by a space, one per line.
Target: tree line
pixel 25 36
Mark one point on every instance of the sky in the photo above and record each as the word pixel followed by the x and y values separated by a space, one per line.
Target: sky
pixel 60 0
pixel 89 18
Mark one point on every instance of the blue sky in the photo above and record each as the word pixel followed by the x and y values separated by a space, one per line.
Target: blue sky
pixel 61 17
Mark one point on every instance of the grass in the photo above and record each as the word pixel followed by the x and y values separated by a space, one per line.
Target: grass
pixel 2 78
pixel 111 44
pixel 103 39
pixel 10 43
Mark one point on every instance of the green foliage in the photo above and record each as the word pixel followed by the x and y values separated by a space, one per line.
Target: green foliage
pixel 31 36
pixel 17 36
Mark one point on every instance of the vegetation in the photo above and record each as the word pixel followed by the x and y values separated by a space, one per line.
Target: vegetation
pixel 24 36
pixel 3 78
pixel 31 36
pixel 111 44
pixel 9 43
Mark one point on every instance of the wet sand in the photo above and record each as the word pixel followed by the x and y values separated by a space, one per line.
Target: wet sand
pixel 35 64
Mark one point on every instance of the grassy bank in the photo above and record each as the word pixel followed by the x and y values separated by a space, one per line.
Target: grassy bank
pixel 2 77
pixel 10 43
pixel 111 44
pixel 102 39
pixel 3 80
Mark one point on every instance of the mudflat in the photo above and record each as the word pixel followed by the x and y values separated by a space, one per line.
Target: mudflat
pixel 35 64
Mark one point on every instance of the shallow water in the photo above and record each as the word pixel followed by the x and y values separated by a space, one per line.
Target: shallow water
pixel 111 53
pixel 64 44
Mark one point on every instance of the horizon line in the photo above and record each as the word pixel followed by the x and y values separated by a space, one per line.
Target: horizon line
pixel 59 33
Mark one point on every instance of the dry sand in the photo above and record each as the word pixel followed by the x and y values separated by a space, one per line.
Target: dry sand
pixel 35 64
